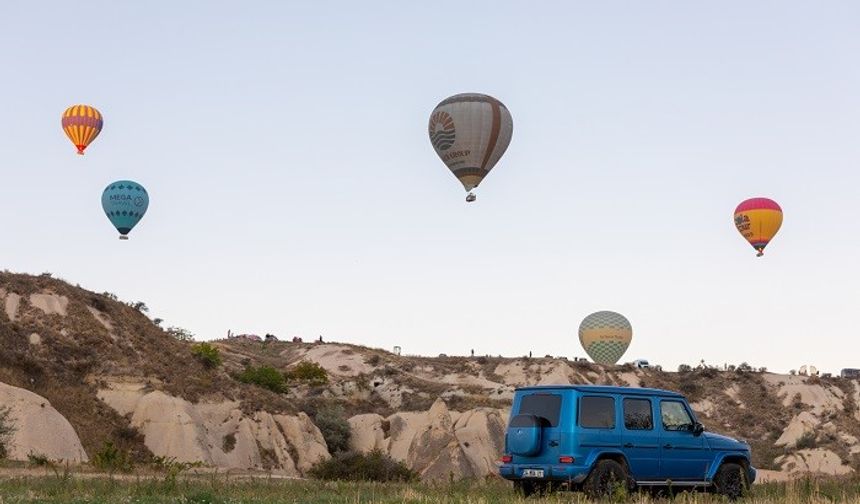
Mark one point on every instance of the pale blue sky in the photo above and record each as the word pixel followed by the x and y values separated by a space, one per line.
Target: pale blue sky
pixel 294 190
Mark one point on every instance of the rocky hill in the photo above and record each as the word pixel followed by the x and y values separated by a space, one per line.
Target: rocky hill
pixel 79 369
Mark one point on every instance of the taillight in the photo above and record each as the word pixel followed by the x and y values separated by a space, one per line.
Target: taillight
pixel 567 459
pixel 506 459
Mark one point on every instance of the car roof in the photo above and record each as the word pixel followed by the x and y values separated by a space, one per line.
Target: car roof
pixel 602 389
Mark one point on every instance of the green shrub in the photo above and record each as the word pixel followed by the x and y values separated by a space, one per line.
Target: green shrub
pixel 207 354
pixel 806 441
pixel 331 421
pixel 112 459
pixel 353 466
pixel 228 442
pixel 7 428
pixel 264 376
pixel 39 460
pixel 306 371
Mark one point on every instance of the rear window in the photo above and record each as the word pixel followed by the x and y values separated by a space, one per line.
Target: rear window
pixel 637 414
pixel 597 412
pixel 545 406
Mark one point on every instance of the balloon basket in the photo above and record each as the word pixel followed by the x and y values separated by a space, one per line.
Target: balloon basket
pixel 470 197
pixel 123 237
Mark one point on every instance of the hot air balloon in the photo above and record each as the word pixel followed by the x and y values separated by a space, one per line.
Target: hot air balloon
pixel 605 336
pixel 470 132
pixel 758 220
pixel 82 124
pixel 124 203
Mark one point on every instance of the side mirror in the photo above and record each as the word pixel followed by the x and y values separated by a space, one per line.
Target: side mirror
pixel 698 429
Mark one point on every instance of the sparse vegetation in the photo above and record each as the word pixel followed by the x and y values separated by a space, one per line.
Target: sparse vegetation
pixel 39 460
pixel 308 372
pixel 112 459
pixel 264 376
pixel 180 333
pixel 353 466
pixel 228 443
pixel 208 354
pixel 807 441
pixel 140 306
pixel 7 429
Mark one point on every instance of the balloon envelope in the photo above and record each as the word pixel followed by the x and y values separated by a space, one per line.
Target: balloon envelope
pixel 470 132
pixel 605 336
pixel 124 203
pixel 758 220
pixel 82 124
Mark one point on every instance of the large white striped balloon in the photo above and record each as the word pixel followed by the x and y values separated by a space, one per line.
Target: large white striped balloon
pixel 605 336
pixel 470 132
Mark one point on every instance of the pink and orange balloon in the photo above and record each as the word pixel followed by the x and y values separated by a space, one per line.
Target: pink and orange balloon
pixel 758 220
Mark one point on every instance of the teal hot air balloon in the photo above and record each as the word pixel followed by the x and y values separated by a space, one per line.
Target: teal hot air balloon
pixel 124 203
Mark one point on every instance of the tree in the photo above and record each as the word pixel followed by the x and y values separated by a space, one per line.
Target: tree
pixel 140 306
pixel 157 321
pixel 180 333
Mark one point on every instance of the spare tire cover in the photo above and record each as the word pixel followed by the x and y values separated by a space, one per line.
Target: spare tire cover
pixel 524 435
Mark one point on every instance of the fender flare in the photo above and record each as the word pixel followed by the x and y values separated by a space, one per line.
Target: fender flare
pixel 596 455
pixel 719 459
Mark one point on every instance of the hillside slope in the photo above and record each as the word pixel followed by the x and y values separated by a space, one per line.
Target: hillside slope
pixel 115 376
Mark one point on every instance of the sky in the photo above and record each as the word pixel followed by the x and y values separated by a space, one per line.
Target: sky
pixel 294 191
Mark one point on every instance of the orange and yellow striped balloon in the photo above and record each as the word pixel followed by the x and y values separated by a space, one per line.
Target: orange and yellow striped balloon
pixel 82 124
pixel 758 220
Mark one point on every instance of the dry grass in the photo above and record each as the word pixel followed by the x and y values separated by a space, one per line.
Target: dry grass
pixel 66 487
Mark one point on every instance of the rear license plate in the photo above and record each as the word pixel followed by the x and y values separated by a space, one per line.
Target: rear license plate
pixel 532 473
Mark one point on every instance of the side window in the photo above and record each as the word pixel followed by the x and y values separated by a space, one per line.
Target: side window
pixel 597 412
pixel 545 406
pixel 675 416
pixel 637 414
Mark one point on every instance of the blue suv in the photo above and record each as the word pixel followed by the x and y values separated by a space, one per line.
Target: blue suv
pixel 599 439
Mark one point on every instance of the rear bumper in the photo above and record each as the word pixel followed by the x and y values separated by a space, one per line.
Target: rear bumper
pixel 561 472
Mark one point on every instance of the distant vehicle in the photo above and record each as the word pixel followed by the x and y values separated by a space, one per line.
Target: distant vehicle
pixel 641 364
pixel 595 438
pixel 852 373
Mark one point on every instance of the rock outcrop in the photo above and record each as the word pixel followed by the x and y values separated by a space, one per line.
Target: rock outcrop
pixel 816 461
pixel 438 444
pixel 219 433
pixel 38 428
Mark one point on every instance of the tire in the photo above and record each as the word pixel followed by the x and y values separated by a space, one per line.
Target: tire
pixel 606 479
pixel 731 481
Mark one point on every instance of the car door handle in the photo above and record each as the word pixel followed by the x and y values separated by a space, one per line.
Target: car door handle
pixel 667 446
pixel 553 443
pixel 628 445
